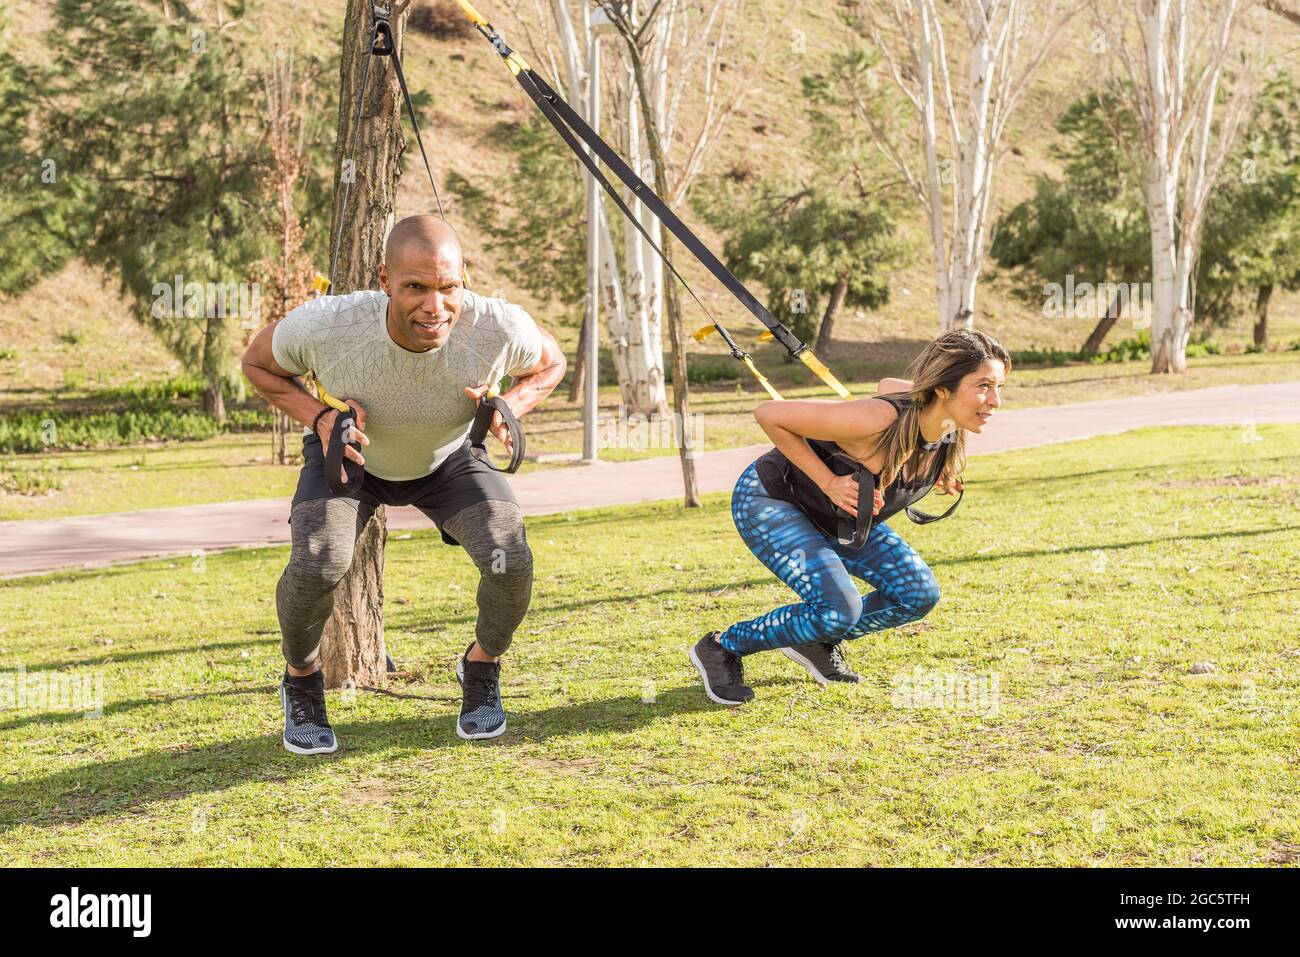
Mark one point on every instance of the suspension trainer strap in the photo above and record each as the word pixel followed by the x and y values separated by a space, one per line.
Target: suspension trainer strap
pixel 576 133
pixel 336 460
pixel 383 44
pixel 853 531
pixel 478 433
pixel 925 518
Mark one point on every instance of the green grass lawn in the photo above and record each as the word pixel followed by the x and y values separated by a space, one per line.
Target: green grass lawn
pixel 234 467
pixel 1086 579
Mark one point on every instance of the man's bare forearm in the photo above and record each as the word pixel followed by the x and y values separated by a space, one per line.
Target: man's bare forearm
pixel 527 392
pixel 284 393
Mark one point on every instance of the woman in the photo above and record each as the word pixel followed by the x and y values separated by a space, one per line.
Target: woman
pixel 910 438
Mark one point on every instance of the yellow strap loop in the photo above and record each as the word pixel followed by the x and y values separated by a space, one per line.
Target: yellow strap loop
pixel 473 14
pixel 823 373
pixel 762 379
pixel 324 396
pixel 517 63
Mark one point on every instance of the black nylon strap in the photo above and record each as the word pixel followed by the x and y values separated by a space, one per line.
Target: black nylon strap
pixel 478 433
pixel 924 518
pixel 335 458
pixel 853 531
pixel 573 129
pixel 382 45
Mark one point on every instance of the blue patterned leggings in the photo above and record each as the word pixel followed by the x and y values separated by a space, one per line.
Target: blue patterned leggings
pixel 819 569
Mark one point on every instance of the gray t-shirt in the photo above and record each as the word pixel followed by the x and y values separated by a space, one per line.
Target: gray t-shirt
pixel 417 412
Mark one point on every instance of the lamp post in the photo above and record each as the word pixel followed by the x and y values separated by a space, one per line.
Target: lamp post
pixel 599 25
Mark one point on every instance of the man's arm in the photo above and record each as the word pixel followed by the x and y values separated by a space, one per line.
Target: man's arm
pixel 529 388
pixel 534 385
pixel 277 385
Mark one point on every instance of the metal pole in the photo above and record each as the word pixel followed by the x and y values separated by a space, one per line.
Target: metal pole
pixel 590 452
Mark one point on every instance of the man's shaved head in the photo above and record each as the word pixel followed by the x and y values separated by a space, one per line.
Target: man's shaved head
pixel 423 237
pixel 422 273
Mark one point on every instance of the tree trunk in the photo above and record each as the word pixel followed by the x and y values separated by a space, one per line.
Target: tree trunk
pixel 282 427
pixel 214 401
pixel 681 387
pixel 352 647
pixel 1261 314
pixel 838 295
pixel 1093 345
pixel 635 347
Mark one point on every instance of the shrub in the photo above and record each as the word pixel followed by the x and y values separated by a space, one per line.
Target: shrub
pixel 440 19
pixel 23 481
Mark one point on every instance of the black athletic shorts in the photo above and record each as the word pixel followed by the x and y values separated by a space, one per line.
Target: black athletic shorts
pixel 460 481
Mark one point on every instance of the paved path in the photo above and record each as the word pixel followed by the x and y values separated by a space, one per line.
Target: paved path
pixel 27 547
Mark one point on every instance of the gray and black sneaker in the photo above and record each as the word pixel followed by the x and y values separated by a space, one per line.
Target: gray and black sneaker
pixel 481 712
pixel 824 661
pixel 306 729
pixel 721 671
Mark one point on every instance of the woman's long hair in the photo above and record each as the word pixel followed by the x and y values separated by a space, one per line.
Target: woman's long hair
pixel 941 365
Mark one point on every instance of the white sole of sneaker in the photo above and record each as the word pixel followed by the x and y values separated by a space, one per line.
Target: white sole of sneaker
pixel 460 679
pixel 695 660
pixel 295 749
pixel 479 737
pixel 812 670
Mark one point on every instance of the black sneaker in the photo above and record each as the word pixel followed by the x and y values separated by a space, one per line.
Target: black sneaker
pixel 721 671
pixel 824 661
pixel 481 712
pixel 306 729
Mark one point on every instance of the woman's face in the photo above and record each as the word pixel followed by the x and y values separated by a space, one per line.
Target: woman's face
pixel 978 396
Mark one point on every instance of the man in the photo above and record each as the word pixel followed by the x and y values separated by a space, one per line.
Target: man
pixel 413 360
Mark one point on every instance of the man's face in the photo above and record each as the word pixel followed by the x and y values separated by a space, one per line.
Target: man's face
pixel 426 292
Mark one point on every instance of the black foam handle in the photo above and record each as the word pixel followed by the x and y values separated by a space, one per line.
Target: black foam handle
pixel 344 422
pixel 852 531
pixel 478 433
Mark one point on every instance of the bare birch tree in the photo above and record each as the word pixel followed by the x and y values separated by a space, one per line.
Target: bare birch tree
pixel 685 57
pixel 664 58
pixel 960 126
pixel 1176 77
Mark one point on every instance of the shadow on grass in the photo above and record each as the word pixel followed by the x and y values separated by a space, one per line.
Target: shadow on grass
pixel 82 793
pixel 111 658
pixel 118 707
pixel 1023 476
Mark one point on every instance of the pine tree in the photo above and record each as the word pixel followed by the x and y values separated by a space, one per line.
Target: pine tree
pixel 152 116
pixel 824 240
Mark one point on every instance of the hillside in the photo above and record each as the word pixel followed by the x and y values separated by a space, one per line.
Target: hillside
pixel 76 320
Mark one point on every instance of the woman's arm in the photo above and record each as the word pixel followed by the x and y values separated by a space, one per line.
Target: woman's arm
pixel 894 385
pixel 790 423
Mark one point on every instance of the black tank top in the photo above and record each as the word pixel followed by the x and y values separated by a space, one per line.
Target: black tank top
pixel 916 477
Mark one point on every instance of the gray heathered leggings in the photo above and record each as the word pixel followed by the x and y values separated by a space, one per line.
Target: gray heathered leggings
pixel 325 530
